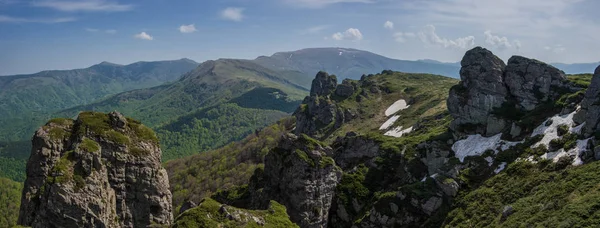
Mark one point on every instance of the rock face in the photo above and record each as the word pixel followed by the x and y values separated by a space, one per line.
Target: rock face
pixel 488 87
pixel 532 82
pixel 345 89
pixel 353 150
pixel 480 91
pixel 318 113
pixel 299 175
pixel 590 106
pixel 98 171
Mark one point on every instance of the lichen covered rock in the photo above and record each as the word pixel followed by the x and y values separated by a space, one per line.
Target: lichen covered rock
pixel 300 175
pixel 101 170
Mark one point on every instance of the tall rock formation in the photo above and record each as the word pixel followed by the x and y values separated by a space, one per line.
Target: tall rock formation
pixel 101 170
pixel 490 91
pixel 590 106
pixel 318 113
pixel 480 91
pixel 300 175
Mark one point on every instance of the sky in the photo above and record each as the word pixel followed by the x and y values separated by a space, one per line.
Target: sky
pixel 38 35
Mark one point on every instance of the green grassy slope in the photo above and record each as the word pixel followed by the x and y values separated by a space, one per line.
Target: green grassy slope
pixel 219 102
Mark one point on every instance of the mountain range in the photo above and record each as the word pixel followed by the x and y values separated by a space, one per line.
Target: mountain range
pixel 193 107
pixel 392 149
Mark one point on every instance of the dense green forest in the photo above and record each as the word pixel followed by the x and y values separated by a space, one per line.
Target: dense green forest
pixel 200 175
pixel 212 128
pixel 10 200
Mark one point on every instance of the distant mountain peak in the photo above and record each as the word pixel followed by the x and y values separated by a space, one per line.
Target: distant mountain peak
pixel 188 60
pixel 106 63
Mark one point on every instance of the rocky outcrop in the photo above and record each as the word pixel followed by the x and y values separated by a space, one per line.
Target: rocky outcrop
pixel 300 175
pixel 489 89
pixel 346 89
pixel 98 171
pixel 532 82
pixel 318 113
pixel 590 107
pixel 480 91
pixel 353 150
pixel 323 84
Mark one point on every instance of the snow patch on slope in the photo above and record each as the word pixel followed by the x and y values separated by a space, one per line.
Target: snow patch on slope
pixel 475 145
pixel 396 106
pixel 398 132
pixel 550 132
pixel 389 122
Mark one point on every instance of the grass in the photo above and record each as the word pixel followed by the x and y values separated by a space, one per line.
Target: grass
pixel 540 197
pixel 207 214
pixel 89 145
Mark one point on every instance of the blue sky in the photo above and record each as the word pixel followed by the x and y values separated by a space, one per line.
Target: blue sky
pixel 65 34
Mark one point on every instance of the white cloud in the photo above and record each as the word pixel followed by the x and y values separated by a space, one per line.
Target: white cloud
pixel 388 25
pixel 187 28
pixel 144 36
pixel 428 36
pixel 497 41
pixel 322 3
pixel 83 5
pixel 350 34
pixel 9 19
pixel 403 36
pixel 559 48
pixel 233 14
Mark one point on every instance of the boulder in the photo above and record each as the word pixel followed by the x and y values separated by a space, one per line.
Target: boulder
pixel 532 82
pixel 345 89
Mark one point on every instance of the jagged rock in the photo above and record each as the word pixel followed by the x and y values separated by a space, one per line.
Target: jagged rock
pixel 436 155
pixel 432 205
pixel 323 85
pixel 590 106
pixel 345 89
pixel 480 91
pixel 532 82
pixel 98 171
pixel 353 150
pixel 448 185
pixel 186 206
pixel 515 130
pixel 299 175
pixel 117 119
pixel 318 113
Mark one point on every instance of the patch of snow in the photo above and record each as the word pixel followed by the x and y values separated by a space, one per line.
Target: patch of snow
pixel 490 160
pixel 398 132
pixel 551 131
pixel 577 130
pixel 500 167
pixel 575 152
pixel 475 145
pixel 340 53
pixel 389 122
pixel 396 106
pixel 424 178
